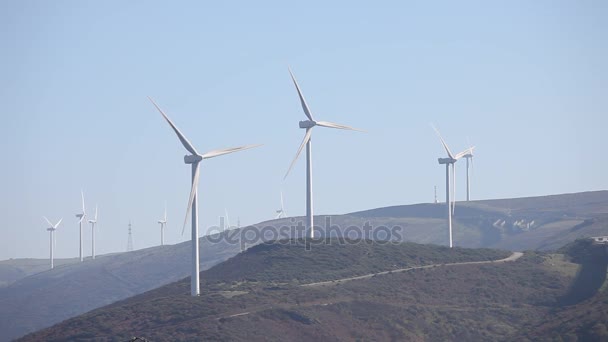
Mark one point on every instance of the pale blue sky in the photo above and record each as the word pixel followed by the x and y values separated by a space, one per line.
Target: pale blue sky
pixel 525 81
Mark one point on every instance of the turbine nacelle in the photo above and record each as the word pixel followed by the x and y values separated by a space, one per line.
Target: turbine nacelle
pixel 307 124
pixel 447 160
pixel 192 159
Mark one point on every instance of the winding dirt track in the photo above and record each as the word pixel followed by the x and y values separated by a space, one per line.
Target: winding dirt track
pixel 512 257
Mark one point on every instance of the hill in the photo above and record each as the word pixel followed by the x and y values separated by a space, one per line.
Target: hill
pixel 539 223
pixel 259 295
pixel 15 269
pixel 583 315
pixel 51 296
pixel 536 223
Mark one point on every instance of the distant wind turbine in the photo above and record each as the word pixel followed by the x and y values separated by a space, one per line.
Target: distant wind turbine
pixel 281 212
pixel 82 216
pixel 163 224
pixel 308 125
pixel 450 160
pixel 194 159
pixel 93 222
pixel 51 229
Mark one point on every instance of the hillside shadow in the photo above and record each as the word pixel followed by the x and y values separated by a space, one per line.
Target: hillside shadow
pixel 590 277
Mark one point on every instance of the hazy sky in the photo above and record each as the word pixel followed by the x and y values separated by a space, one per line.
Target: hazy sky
pixel 524 81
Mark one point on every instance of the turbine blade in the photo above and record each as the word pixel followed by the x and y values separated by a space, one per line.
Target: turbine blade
pixel 192 194
pixel 302 101
pixel 306 139
pixel 95 219
pixel 338 126
pixel 165 219
pixel 464 153
pixel 47 221
pixel 282 207
pixel 445 146
pixel 58 222
pixel 181 137
pixel 221 152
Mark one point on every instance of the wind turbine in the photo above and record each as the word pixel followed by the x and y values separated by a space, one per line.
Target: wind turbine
pixel 194 158
pixel 308 125
pixel 281 212
pixel 449 161
pixel 51 229
pixel 163 223
pixel 82 216
pixel 93 222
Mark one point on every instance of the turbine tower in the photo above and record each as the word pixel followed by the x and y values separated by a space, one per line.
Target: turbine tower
pixel 194 158
pixel 469 156
pixel 281 212
pixel 449 161
pixel 308 125
pixel 82 216
pixel 51 229
pixel 163 223
pixel 93 222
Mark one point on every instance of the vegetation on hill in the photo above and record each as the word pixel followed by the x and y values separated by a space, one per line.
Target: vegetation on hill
pixel 291 261
pixel 583 313
pixel 461 302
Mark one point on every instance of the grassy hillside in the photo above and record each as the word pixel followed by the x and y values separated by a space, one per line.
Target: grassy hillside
pixel 583 315
pixel 15 269
pixel 257 295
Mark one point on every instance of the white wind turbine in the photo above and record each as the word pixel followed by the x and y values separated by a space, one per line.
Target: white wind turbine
pixel 51 229
pixel 308 125
pixel 281 212
pixel 82 216
pixel 450 160
pixel 163 224
pixel 194 159
pixel 93 222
